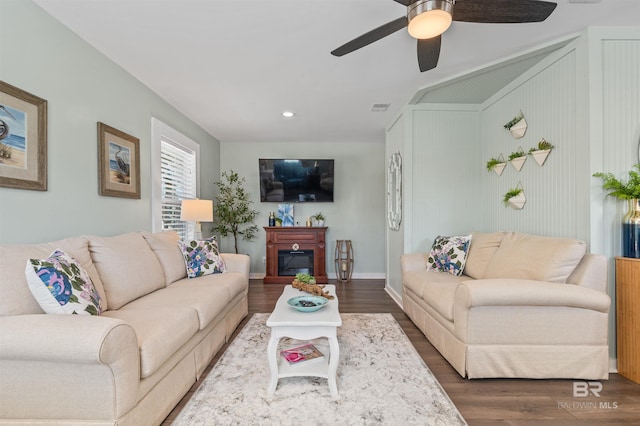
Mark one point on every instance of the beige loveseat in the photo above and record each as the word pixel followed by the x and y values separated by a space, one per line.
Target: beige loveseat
pixel 526 306
pixel 132 364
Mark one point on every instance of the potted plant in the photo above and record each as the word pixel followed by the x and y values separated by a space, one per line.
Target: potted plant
pixel 496 164
pixel 278 221
pixel 318 219
pixel 232 209
pixel 515 198
pixel 517 126
pixel 541 151
pixel 517 158
pixel 629 191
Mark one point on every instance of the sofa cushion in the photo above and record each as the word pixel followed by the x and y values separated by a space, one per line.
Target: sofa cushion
pixel 16 298
pixel 127 266
pixel 207 300
pixel 534 257
pixel 483 247
pixel 235 283
pixel 437 289
pixel 160 332
pixel 60 285
pixel 201 258
pixel 165 246
pixel 448 254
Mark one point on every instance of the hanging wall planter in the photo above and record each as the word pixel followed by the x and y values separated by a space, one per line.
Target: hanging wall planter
pixel 496 164
pixel 515 198
pixel 541 152
pixel 517 126
pixel 517 158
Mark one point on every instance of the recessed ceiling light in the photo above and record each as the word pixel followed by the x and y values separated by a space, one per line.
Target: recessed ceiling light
pixel 288 114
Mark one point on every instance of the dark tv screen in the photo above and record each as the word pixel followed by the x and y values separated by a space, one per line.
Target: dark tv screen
pixel 296 180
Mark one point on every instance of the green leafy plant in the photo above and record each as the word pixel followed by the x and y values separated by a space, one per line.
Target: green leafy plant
pixel 279 221
pixel 619 189
pixel 232 209
pixel 517 154
pixel 319 216
pixel 493 162
pixel 543 145
pixel 305 278
pixel 513 192
pixel 514 120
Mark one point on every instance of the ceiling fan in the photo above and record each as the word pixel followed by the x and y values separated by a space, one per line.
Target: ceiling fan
pixel 428 19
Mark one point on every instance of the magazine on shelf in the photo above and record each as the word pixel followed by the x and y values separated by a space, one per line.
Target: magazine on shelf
pixel 305 354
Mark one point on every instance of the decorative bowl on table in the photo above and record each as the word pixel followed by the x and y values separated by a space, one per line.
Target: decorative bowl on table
pixel 307 303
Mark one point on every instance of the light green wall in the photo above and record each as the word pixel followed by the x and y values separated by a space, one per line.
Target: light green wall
pixel 82 86
pixel 357 213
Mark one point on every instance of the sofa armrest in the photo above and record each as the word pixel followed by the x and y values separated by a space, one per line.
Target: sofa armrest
pixel 73 355
pixel 236 263
pixel 413 262
pixel 519 292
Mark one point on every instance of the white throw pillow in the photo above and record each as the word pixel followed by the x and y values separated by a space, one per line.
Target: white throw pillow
pixel 202 258
pixel 60 285
pixel 449 254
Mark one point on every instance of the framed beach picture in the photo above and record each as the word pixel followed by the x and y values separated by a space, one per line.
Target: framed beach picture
pixel 118 163
pixel 23 139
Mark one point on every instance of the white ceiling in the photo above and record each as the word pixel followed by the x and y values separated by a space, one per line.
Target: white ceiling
pixel 233 66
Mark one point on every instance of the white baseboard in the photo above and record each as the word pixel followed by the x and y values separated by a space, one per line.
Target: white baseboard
pixel 394 295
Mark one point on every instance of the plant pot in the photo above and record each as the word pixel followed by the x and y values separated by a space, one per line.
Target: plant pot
pixel 519 129
pixel 540 156
pixel 499 168
pixel 318 223
pixel 631 230
pixel 518 202
pixel 518 162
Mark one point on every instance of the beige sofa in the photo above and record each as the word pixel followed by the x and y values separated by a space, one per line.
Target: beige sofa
pixel 132 364
pixel 526 306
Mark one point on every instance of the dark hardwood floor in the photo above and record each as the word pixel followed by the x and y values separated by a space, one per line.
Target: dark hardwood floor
pixel 481 401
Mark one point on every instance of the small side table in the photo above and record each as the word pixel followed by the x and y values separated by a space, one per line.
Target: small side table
pixel 628 317
pixel 344 260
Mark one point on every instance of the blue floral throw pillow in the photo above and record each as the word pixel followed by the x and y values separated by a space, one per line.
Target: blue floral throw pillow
pixel 449 254
pixel 61 286
pixel 201 258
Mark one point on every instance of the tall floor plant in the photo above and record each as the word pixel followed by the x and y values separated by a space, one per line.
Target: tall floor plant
pixel 232 212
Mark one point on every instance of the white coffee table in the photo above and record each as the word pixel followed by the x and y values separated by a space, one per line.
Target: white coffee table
pixel 285 321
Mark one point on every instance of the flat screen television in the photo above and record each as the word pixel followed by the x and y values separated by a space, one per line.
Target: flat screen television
pixel 296 180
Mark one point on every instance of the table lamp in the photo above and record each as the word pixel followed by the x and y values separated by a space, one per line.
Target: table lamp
pixel 197 211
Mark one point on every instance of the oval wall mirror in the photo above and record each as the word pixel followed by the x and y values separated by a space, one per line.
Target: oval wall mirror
pixel 394 191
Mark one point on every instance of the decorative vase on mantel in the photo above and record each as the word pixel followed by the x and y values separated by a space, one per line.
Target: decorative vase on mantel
pixel 631 230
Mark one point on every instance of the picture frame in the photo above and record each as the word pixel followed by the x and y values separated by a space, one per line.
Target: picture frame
pixel 23 139
pixel 118 163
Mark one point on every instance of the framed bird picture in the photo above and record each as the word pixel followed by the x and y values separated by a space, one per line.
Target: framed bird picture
pixel 23 139
pixel 118 163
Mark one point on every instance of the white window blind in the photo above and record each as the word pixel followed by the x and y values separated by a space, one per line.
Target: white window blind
pixel 178 181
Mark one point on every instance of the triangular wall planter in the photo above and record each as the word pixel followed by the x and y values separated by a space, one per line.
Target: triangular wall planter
pixel 499 168
pixel 518 162
pixel 519 129
pixel 540 156
pixel 518 202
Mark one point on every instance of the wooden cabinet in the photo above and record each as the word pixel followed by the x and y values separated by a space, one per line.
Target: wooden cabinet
pixel 628 317
pixel 288 241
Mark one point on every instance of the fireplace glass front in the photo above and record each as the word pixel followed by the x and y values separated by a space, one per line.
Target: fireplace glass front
pixel 291 263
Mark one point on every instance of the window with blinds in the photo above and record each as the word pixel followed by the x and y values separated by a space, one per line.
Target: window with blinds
pixel 178 182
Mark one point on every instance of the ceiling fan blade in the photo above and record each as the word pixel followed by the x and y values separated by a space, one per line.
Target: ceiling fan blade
pixel 373 35
pixel 428 53
pixel 406 2
pixel 502 11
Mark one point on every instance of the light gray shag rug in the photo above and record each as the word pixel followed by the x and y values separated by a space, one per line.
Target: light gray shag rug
pixel 381 380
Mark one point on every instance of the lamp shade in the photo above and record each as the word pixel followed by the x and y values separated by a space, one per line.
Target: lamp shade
pixel 196 210
pixel 429 18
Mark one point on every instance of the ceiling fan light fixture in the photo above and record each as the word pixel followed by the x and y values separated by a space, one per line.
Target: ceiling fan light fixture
pixel 429 18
